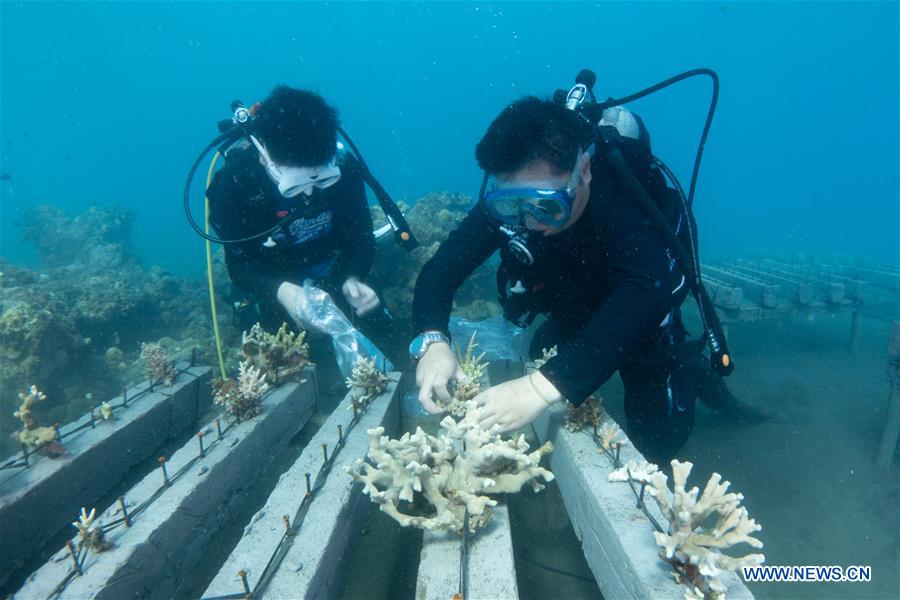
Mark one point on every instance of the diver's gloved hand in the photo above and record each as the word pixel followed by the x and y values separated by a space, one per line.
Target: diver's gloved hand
pixel 517 402
pixel 436 369
pixel 297 300
pixel 361 297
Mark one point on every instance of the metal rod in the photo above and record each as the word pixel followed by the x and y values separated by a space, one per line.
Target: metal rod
pixel 325 452
pixel 58 436
pixel 287 522
pixel 150 379
pixel 124 397
pixel 93 424
pixel 219 427
pixel 308 484
pixel 200 443
pixel 125 516
pixel 162 464
pixel 193 356
pixel 243 575
pixel 340 435
pixel 24 452
pixel 74 556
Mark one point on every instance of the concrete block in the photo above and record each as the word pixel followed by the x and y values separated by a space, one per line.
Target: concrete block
pixel 616 536
pixel 152 557
pixel 41 500
pixel 491 565
pixel 311 567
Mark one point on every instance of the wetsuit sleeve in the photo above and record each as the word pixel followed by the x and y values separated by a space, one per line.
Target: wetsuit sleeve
pixel 644 289
pixel 226 215
pixel 464 250
pixel 353 225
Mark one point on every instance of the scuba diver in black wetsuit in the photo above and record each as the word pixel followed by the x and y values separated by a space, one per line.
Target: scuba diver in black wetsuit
pixel 598 248
pixel 290 205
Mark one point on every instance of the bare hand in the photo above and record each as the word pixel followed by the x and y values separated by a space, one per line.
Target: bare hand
pixel 361 297
pixel 435 370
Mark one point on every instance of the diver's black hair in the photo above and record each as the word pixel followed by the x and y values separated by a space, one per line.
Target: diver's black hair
pixel 297 127
pixel 529 130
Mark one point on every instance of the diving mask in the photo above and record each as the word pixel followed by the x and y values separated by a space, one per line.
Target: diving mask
pixel 550 206
pixel 293 181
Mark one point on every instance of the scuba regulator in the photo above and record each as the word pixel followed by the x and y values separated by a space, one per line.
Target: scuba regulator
pixel 240 126
pixel 614 133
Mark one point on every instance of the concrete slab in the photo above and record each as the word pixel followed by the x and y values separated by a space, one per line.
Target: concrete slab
pixel 41 500
pixel 310 566
pixel 616 536
pixel 151 558
pixel 492 571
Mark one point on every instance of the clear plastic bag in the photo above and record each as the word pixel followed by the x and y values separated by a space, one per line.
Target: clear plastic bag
pixel 498 338
pixel 315 309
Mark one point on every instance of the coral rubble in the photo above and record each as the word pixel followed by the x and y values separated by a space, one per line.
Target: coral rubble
pixel 159 367
pixel 90 535
pixel 690 541
pixel 454 472
pixel 587 415
pixel 466 388
pixel 366 382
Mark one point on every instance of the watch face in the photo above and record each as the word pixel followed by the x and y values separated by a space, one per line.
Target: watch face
pixel 415 347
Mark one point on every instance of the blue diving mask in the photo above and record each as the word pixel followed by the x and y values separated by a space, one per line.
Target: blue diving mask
pixel 509 204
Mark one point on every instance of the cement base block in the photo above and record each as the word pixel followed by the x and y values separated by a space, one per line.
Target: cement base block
pixel 39 501
pixel 491 565
pixel 333 524
pixel 617 537
pixel 152 557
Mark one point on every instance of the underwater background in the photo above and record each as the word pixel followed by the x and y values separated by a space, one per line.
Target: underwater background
pixel 108 104
pixel 111 102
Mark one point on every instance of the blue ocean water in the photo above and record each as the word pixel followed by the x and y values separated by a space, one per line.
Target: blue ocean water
pixel 110 102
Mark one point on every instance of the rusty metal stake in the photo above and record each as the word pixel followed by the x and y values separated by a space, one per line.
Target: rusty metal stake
pixel 355 406
pixel 124 397
pixel 243 575
pixel 125 516
pixel 287 523
pixel 58 436
pixel 308 484
pixel 193 356
pixel 25 453
pixel 74 556
pixel 325 452
pixel 93 423
pixel 150 379
pixel 162 464
pixel 340 435
pixel 200 442
pixel 219 427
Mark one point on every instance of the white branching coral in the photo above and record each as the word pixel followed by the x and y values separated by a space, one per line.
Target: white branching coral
pixel 453 472
pixel 242 399
pixel 608 436
pixel 32 434
pixel 106 411
pixel 546 354
pixel 635 471
pixel 587 415
pixel 278 356
pixel 90 535
pixel 366 382
pixel 690 541
pixel 159 366
pixel 467 387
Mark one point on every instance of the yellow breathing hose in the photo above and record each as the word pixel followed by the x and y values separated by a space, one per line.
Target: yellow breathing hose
pixel 209 269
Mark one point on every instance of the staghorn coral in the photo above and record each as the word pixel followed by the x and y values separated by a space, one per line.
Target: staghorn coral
pixel 106 412
pixel 454 472
pixel 587 415
pixel 160 369
pixel 89 535
pixel 608 437
pixel 32 434
pixel 366 382
pixel 635 471
pixel 279 355
pixel 546 354
pixel 242 399
pixel 468 386
pixel 690 542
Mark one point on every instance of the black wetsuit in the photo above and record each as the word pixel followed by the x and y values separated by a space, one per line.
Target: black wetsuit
pixel 330 240
pixel 607 285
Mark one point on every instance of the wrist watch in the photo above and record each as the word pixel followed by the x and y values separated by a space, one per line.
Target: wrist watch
pixel 421 342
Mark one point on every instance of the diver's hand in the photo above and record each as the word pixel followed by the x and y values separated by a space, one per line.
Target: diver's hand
pixel 435 370
pixel 297 301
pixel 361 297
pixel 516 403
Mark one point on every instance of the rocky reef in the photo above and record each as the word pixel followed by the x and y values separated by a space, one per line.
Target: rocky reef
pixel 431 219
pixel 74 326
